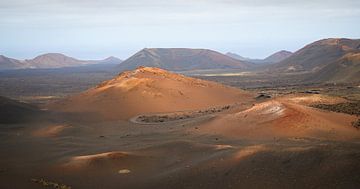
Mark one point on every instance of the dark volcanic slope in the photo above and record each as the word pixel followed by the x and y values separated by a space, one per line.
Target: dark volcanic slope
pixel 181 59
pixel 317 55
pixel 12 111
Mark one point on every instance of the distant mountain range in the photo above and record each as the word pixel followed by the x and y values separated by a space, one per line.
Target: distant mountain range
pixel 274 58
pixel 326 60
pixel 179 59
pixel 10 63
pixel 330 60
pixel 51 60
pixel 319 54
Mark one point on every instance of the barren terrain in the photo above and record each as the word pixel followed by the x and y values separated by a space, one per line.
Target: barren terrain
pixel 241 142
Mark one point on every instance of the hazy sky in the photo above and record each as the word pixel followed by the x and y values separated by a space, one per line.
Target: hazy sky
pixel 91 29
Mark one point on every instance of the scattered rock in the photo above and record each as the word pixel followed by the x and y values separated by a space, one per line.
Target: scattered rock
pixel 124 171
pixel 263 96
pixel 312 92
pixel 50 184
pixel 356 124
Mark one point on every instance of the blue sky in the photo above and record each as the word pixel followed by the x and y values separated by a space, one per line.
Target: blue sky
pixel 91 29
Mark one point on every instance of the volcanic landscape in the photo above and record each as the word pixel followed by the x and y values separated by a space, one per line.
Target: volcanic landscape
pixel 154 122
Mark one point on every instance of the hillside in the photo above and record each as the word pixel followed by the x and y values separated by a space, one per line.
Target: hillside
pixel 179 59
pixel 53 60
pixel 109 60
pixel 237 57
pixel 9 63
pixel 318 55
pixel 12 111
pixel 278 56
pixel 344 70
pixel 283 117
pixel 149 90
